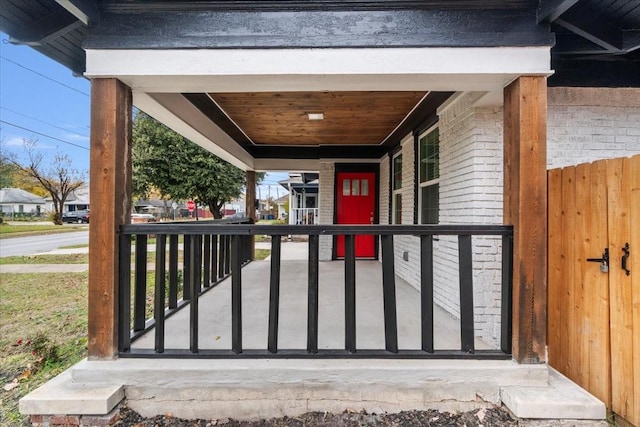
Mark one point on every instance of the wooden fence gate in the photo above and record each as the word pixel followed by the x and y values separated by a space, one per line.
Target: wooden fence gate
pixel 594 280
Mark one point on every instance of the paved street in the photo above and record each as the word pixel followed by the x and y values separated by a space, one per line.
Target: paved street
pixel 30 245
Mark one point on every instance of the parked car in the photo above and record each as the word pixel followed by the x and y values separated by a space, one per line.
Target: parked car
pixel 79 217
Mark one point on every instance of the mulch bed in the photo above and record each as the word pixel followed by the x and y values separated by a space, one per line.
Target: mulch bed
pixel 485 417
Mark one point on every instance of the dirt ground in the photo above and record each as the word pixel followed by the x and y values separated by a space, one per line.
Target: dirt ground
pixel 489 417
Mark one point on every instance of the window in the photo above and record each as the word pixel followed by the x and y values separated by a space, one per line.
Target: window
pixel 397 189
pixel 429 182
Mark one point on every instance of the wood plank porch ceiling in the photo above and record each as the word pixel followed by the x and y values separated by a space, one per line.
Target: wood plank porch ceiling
pixel 350 118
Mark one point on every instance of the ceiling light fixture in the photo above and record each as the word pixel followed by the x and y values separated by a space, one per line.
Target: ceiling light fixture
pixel 316 116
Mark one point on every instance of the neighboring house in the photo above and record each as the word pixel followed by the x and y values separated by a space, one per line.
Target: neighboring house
pixel 77 200
pixel 303 197
pixel 281 203
pixel 17 201
pixel 431 126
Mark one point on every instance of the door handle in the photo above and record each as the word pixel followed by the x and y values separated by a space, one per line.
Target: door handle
pixel 604 261
pixel 625 258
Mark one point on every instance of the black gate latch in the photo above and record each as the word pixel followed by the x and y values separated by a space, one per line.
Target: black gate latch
pixel 604 261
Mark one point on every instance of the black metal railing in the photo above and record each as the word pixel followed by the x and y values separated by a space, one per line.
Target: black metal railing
pixel 213 251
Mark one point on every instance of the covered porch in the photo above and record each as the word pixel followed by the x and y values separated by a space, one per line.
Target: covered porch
pixel 243 81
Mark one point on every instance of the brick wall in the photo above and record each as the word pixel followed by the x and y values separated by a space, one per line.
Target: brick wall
pixel 408 246
pixel 325 211
pixel 383 213
pixel 588 124
pixel 470 192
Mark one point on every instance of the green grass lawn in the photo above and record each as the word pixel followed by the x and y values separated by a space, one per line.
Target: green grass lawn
pixel 43 331
pixel 46 259
pixel 7 230
pixel 43 325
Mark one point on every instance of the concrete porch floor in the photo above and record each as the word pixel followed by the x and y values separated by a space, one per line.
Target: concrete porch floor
pixel 263 388
pixel 215 310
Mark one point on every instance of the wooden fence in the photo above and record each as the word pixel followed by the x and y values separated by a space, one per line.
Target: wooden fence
pixel 594 280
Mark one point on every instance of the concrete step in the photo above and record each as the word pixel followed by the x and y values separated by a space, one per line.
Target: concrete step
pixel 62 395
pixel 560 399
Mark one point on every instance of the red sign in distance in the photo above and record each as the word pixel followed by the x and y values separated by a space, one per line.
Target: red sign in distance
pixel 191 205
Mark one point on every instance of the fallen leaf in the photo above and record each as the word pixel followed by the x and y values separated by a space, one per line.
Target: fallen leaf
pixel 217 337
pixel 481 414
pixel 10 386
pixel 25 374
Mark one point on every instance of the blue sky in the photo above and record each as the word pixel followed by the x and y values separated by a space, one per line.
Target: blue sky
pixel 41 99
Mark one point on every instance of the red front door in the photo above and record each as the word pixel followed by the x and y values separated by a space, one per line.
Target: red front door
pixel 355 204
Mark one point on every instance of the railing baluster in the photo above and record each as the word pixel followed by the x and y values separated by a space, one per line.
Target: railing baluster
pixel 193 292
pixel 312 315
pixel 236 296
pixel 207 261
pixel 350 293
pixel 214 258
pixel 389 294
pixel 274 293
pixel 222 256
pixel 228 255
pixel 186 267
pixel 426 291
pixel 139 315
pixel 197 261
pixel 506 307
pixel 161 247
pixel 173 271
pixel 467 333
pixel 124 293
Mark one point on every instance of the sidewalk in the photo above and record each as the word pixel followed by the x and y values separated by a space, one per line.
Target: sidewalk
pixel 290 251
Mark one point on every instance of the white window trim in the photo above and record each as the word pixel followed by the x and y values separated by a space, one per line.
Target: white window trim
pixel 427 183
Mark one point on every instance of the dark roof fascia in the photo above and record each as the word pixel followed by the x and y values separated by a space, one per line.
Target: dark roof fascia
pixel 186 29
pixel 594 73
pixel 120 6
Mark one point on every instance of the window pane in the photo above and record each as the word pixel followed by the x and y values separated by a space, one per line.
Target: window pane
pixel 397 172
pixel 430 156
pixel 397 209
pixel 430 204
pixel 364 186
pixel 346 187
pixel 355 187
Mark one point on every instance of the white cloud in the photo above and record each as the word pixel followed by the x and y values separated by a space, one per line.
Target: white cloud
pixel 14 141
pixel 74 137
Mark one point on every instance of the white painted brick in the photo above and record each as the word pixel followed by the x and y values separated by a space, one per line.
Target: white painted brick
pixel 325 210
pixel 588 124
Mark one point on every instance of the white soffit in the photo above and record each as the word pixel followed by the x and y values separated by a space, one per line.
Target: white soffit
pixel 261 70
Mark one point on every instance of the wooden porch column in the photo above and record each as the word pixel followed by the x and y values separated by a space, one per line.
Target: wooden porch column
pixel 110 187
pixel 250 207
pixel 525 207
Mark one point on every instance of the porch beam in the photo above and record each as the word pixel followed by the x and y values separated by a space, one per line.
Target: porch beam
pixel 250 207
pixel 525 207
pixel 110 186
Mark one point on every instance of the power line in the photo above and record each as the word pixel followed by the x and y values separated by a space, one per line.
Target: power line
pixel 42 121
pixel 44 76
pixel 43 134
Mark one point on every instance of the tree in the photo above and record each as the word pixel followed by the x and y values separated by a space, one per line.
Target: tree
pixel 180 169
pixel 58 178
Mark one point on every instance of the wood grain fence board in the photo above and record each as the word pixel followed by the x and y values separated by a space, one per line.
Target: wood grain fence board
pixel 620 289
pixel 567 346
pixel 582 288
pixel 597 287
pixel 634 267
pixel 555 272
pixel 594 316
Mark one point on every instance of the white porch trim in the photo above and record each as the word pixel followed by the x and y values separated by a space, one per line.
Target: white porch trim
pixel 259 70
